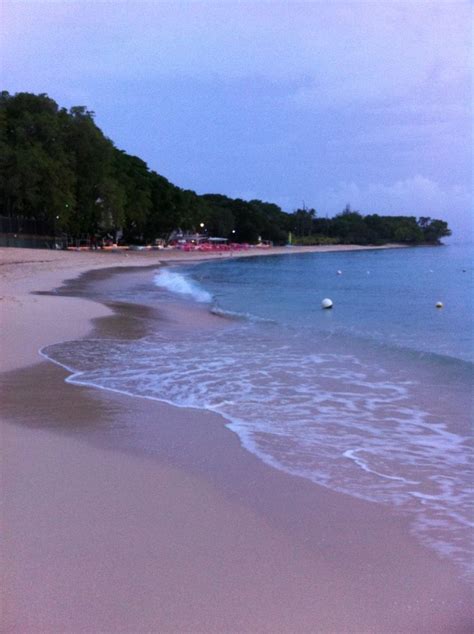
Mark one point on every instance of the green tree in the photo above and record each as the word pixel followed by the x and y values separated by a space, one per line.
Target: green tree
pixel 92 156
pixel 37 179
pixel 433 230
pixel 350 228
pixel 302 222
pixel 111 206
pixel 58 168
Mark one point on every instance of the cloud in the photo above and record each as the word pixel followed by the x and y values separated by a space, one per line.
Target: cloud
pixel 387 51
pixel 334 51
pixel 364 102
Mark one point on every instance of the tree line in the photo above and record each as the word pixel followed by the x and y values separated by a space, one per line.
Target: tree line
pixel 59 169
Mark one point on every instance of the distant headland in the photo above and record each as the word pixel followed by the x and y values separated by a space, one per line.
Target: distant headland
pixel 62 179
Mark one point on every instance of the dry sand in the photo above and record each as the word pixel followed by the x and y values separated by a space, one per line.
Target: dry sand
pixel 198 537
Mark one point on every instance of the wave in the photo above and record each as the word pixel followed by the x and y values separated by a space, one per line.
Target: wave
pixel 332 417
pixel 238 316
pixel 182 285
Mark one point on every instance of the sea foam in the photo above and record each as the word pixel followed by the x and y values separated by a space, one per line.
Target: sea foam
pixel 332 418
pixel 368 400
pixel 181 285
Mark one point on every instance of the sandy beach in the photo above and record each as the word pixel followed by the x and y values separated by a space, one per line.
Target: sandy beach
pixel 198 537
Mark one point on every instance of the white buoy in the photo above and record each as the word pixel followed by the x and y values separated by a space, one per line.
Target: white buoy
pixel 326 303
pixel 339 272
pixel 439 304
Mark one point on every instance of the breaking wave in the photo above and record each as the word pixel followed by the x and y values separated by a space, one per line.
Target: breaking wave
pixel 181 285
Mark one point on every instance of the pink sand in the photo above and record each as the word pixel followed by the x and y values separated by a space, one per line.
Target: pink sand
pixel 200 538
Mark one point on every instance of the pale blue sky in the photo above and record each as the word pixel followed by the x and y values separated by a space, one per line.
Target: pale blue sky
pixel 367 103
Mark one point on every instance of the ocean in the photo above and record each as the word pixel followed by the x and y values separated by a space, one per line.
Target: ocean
pixel 372 398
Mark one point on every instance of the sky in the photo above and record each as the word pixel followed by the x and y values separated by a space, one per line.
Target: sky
pixel 323 103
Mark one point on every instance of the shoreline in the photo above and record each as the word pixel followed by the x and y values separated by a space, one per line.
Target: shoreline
pixel 239 546
pixel 26 272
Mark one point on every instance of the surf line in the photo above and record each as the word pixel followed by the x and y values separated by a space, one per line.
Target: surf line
pixel 350 453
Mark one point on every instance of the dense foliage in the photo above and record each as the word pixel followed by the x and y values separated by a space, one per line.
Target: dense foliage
pixel 58 169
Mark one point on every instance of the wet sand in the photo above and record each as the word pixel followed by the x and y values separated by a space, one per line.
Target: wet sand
pixel 178 529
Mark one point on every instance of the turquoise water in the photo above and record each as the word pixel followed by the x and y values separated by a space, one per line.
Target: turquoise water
pixel 372 398
pixel 386 295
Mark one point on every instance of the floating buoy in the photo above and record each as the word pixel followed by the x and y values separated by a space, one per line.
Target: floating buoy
pixel 339 272
pixel 439 304
pixel 326 303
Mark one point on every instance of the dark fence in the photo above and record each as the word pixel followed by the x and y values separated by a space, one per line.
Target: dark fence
pixel 16 231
